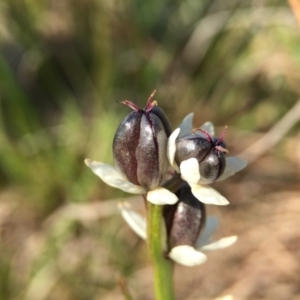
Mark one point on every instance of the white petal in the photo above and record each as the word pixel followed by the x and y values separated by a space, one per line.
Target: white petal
pixel 172 148
pixel 135 221
pixel 111 176
pixel 187 256
pixel 186 125
pixel 208 195
pixel 209 229
pixel 209 127
pixel 220 244
pixel 189 170
pixel 161 196
pixel 233 165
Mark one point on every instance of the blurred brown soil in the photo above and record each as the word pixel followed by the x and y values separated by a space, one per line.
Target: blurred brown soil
pixel 263 264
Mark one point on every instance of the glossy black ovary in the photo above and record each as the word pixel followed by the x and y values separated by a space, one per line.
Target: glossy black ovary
pixel 156 110
pixel 213 166
pixel 124 144
pixel 211 160
pixel 151 151
pixel 185 219
pixel 191 146
pixel 139 149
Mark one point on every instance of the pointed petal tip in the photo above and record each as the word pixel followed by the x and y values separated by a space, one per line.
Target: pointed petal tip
pixel 176 132
pixel 207 123
pixel 189 117
pixel 220 244
pixel 96 165
pixel 93 163
pixel 187 256
pixel 186 125
pixel 209 127
pixel 88 161
pixel 171 148
pixel 232 239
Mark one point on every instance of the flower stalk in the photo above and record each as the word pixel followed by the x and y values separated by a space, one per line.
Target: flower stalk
pixel 162 266
pixel 173 172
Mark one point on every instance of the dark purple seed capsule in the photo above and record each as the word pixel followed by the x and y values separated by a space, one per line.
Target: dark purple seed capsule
pixel 213 166
pixel 209 152
pixel 191 146
pixel 125 141
pixel 185 219
pixel 140 143
pixel 163 118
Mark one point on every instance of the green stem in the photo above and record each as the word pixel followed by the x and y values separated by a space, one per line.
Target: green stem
pixel 163 267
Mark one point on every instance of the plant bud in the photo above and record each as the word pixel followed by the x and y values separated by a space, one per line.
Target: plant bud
pixel 140 144
pixel 185 219
pixel 209 152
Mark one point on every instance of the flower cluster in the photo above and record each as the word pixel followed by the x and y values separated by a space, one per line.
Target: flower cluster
pixel 188 230
pixel 173 169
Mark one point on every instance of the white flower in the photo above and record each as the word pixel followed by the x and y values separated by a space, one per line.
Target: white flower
pixel 189 169
pixel 184 254
pixel 113 177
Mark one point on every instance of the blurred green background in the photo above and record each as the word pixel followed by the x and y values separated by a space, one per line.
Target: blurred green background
pixel 63 67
